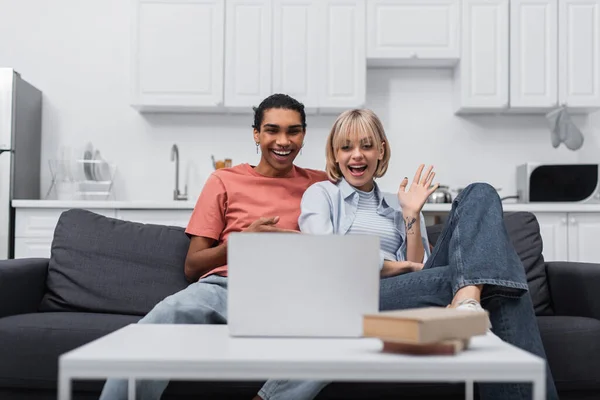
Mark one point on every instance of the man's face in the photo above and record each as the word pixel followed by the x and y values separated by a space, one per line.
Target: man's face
pixel 281 137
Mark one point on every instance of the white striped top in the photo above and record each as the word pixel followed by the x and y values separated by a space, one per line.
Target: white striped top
pixel 368 222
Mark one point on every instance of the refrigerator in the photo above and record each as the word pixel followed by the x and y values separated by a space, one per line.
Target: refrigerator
pixel 20 150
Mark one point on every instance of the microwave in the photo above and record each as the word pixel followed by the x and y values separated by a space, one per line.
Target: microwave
pixel 553 183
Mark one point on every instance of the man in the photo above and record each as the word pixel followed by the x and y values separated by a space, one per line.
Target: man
pixel 261 198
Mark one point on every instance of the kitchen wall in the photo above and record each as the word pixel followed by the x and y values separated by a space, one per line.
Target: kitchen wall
pixel 77 53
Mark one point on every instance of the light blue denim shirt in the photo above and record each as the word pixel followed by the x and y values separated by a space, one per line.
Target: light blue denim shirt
pixel 330 208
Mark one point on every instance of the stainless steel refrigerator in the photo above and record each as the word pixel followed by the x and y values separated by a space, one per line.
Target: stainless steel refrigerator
pixel 20 150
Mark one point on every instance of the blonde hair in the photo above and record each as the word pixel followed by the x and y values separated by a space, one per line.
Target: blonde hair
pixel 352 125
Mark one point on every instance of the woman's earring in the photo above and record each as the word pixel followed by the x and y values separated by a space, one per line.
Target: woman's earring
pixel 257 144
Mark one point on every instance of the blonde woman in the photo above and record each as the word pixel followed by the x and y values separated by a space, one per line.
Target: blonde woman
pixel 473 260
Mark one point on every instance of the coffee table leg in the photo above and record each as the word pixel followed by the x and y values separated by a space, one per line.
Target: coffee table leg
pixel 539 387
pixel 131 389
pixel 469 390
pixel 64 387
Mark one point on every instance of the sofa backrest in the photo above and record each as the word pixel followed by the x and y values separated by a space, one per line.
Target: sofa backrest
pixel 106 265
pixel 524 232
pixel 101 264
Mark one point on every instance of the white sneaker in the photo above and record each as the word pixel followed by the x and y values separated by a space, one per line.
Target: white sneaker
pixel 472 305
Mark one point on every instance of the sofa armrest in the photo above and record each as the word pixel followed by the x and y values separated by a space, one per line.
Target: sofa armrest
pixel 574 288
pixel 22 285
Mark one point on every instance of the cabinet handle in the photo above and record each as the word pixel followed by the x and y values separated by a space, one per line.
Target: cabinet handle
pixel 573 221
pixel 563 221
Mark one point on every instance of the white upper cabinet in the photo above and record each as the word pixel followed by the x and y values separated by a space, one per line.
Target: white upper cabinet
pixel 295 50
pixel 248 37
pixel 579 49
pixel 317 57
pixel 177 54
pixel 482 76
pixel 534 54
pixel 413 32
pixel 342 53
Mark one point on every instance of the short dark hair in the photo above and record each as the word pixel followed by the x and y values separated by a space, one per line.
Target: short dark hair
pixel 278 100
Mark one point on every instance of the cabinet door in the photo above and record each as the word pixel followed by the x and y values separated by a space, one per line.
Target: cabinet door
pixel 553 229
pixel 33 247
pixel 179 218
pixel 177 54
pixel 295 50
pixel 413 29
pixel 481 78
pixel 342 52
pixel 584 231
pixel 579 47
pixel 248 54
pixel 533 54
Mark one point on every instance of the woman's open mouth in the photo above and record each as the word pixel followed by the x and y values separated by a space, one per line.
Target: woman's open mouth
pixel 357 170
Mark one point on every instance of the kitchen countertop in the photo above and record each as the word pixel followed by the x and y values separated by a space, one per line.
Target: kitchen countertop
pixel 531 207
pixel 95 204
pixel 189 205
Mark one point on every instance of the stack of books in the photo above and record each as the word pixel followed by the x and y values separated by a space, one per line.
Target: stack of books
pixel 425 331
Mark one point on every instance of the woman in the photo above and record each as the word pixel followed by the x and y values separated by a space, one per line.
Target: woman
pixel 473 262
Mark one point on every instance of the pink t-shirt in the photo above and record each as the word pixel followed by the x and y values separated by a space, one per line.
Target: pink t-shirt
pixel 233 198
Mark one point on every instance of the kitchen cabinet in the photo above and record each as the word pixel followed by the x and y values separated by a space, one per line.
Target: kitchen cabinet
pixel 579 50
pixel 584 231
pixel 296 50
pixel 343 55
pixel 554 232
pixel 34 227
pixel 248 37
pixel 482 76
pixel 555 55
pixel 177 55
pixel 33 247
pixel 318 52
pixel 533 54
pixel 413 32
pixel 570 236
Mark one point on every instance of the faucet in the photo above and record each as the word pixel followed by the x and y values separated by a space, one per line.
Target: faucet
pixel 175 157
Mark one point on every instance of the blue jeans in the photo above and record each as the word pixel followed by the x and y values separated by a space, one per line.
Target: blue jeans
pixel 203 302
pixel 473 249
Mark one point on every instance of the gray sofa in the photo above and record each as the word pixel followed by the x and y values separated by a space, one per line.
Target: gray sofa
pixel 105 273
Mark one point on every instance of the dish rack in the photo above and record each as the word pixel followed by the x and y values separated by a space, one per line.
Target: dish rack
pixel 81 179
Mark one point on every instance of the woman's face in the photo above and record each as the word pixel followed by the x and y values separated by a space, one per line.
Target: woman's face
pixel 358 159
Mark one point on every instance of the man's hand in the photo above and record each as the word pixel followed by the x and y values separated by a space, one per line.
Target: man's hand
pixel 267 224
pixel 393 268
pixel 412 201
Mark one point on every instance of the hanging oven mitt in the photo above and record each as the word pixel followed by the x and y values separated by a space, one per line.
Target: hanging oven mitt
pixel 563 130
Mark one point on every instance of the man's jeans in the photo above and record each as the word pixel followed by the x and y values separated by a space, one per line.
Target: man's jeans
pixel 473 249
pixel 203 302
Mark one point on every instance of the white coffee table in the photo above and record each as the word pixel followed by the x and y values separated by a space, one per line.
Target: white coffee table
pixel 205 352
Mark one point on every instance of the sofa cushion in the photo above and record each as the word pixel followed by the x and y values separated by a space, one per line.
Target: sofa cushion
pixel 524 233
pixel 572 347
pixel 106 265
pixel 31 343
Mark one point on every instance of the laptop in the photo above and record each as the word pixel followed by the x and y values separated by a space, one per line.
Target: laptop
pixel 301 285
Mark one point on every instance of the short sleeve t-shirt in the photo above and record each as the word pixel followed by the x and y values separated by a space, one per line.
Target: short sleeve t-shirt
pixel 233 198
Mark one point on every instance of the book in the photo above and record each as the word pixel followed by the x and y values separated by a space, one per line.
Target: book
pixel 445 347
pixel 425 325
